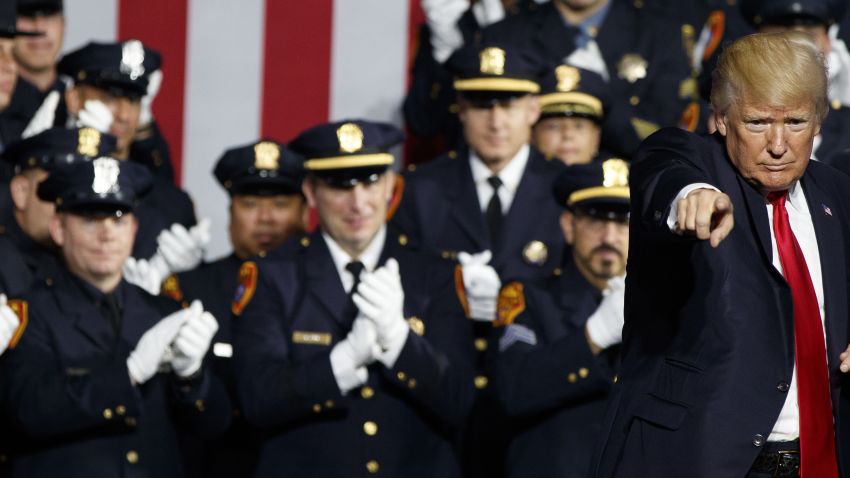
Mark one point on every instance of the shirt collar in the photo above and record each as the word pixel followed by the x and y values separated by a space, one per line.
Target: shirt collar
pixel 369 257
pixel 510 175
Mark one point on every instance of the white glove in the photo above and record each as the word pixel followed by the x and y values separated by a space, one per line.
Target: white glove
pixel 350 356
pixel 8 323
pixel 154 83
pixel 442 17
pixel 95 114
pixel 838 62
pixel 380 298
pixel 482 285
pixel 193 341
pixel 589 58
pixel 150 352
pixel 140 272
pixel 605 326
pixel 488 12
pixel 43 118
pixel 181 249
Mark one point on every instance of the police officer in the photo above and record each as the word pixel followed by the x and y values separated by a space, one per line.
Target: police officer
pixel 351 350
pixel 813 17
pixel 83 383
pixel 37 55
pixel 558 345
pixel 573 104
pixel 263 180
pixel 27 248
pixel 638 52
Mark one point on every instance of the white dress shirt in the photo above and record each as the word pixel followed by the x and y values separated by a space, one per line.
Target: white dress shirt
pixel 369 257
pixel 510 175
pixel 787 426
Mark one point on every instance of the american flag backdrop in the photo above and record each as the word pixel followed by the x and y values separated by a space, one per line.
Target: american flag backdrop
pixel 238 70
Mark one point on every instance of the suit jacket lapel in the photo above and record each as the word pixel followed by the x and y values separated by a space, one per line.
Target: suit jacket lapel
pixel 322 279
pixel 831 253
pixel 465 207
pixel 757 211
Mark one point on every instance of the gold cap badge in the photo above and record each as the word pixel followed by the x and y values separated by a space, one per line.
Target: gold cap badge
pixel 106 173
pixel 535 253
pixel 492 61
pixel 350 138
pixel 88 141
pixel 632 67
pixel 266 155
pixel 568 77
pixel 615 173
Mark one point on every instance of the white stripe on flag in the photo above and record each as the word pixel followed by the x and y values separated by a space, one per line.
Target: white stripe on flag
pixel 88 20
pixel 223 83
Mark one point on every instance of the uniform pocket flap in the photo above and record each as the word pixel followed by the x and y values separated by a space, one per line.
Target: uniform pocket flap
pixel 661 412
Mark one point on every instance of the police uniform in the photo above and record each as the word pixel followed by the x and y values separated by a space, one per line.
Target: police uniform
pixel 548 381
pixel 568 91
pixel 440 211
pixel 643 55
pixel 261 168
pixel 123 69
pixel 66 383
pixel 26 261
pixel 294 310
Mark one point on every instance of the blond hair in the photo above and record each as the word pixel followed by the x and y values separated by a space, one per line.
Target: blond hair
pixel 783 68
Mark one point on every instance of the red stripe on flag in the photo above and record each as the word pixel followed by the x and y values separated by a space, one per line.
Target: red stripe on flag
pixel 297 70
pixel 162 25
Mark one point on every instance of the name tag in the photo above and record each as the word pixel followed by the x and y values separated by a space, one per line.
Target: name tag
pixel 221 349
pixel 311 338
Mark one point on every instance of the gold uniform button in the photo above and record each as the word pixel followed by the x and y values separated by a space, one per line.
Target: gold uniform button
pixel 411 383
pixel 121 409
pixel 480 344
pixel 132 457
pixel 370 428
pixel 199 405
pixel 3 458
pixel 107 414
pixel 634 100
pixel 401 376
pixel 130 422
pixel 583 372
pixel 453 154
pixel 262 253
pixel 49 281
pixel 372 466
pixel 836 104
pixel 481 382
pixel 305 241
pixel 317 408
pixel 572 377
pixel 402 240
pixel 411 167
pixel 367 392
pixel 329 403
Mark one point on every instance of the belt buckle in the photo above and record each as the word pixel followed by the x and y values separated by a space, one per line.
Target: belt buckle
pixel 787 464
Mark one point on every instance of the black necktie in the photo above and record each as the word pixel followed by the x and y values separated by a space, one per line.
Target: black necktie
pixel 355 267
pixel 110 309
pixel 494 212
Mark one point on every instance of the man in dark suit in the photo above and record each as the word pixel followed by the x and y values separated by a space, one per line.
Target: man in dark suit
pixel 558 349
pixel 82 384
pixel 488 205
pixel 351 347
pixel 736 298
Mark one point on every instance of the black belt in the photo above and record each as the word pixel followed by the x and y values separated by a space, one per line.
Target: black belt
pixel 779 459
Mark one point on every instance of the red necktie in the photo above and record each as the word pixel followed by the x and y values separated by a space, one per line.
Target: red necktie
pixel 817 433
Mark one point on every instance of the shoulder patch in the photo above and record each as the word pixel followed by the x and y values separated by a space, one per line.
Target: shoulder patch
pixel 398 193
pixel 460 289
pixel 247 281
pixel 21 309
pixel 171 288
pixel 511 303
pixel 717 27
pixel 690 117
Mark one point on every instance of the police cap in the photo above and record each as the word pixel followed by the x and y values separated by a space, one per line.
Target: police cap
pixel 262 168
pixel 571 91
pixel 35 8
pixel 120 68
pixel 9 20
pixel 58 145
pixel 348 152
pixel 101 186
pixel 599 188
pixel 792 12
pixel 495 71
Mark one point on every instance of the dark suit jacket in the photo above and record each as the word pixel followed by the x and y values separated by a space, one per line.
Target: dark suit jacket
pixel 67 389
pixel 288 388
pixel 708 347
pixel 553 390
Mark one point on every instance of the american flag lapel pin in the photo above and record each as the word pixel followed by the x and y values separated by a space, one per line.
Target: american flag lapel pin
pixel 827 210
